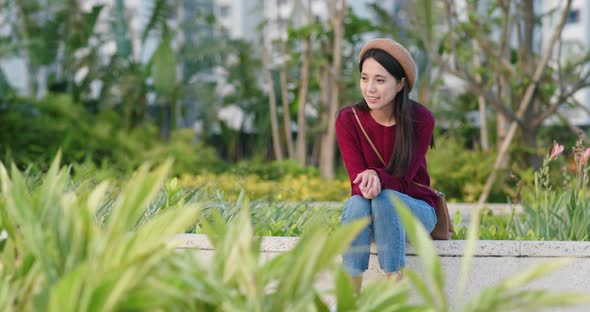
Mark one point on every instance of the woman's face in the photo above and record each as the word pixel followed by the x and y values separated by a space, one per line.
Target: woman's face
pixel 378 86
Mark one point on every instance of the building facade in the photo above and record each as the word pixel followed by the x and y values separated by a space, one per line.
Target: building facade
pixel 575 40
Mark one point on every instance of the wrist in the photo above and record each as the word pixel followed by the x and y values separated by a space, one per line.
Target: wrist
pixel 374 172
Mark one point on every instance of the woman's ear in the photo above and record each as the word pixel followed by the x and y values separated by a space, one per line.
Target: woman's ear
pixel 401 84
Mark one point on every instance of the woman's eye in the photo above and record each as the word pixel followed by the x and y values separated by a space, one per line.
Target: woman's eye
pixel 363 78
pixel 380 80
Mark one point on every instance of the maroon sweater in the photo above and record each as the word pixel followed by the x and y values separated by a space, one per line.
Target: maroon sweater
pixel 359 156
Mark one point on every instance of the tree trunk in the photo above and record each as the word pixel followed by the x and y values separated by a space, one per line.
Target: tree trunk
pixel 166 119
pixel 23 29
pixel 529 138
pixel 178 46
pixel 301 144
pixel 529 133
pixel 272 100
pixel 501 120
pixel 327 152
pixel 285 100
pixel 483 129
pixel 302 97
pixel 483 125
pixel 324 82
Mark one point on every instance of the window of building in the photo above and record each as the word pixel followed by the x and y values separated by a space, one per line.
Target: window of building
pixel 224 11
pixel 573 17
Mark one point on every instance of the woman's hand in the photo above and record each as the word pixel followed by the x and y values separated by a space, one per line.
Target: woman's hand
pixel 370 185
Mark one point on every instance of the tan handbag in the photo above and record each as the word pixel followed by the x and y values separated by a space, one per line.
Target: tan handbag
pixel 443 230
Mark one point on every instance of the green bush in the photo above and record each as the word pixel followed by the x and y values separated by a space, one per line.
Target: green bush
pixel 287 188
pixel 274 170
pixel 461 173
pixel 493 227
pixel 32 132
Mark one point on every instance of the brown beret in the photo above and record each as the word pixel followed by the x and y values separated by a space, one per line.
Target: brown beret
pixel 398 52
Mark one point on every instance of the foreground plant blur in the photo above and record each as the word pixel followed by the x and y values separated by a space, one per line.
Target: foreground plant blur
pixel 58 256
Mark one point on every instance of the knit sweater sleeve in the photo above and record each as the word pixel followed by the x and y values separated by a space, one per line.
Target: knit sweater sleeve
pixel 423 129
pixel 350 149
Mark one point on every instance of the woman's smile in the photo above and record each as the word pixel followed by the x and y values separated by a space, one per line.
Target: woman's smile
pixel 371 99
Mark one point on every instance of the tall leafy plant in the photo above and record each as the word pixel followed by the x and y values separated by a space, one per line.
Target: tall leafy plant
pixel 57 258
pixel 556 212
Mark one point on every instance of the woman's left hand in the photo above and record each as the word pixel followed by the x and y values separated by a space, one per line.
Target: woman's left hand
pixel 370 184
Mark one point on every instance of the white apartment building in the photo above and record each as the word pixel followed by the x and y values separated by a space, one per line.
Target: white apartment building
pixel 239 18
pixel 575 40
pixel 242 17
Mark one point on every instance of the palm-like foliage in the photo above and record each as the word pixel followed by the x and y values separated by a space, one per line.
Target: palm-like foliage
pixel 58 257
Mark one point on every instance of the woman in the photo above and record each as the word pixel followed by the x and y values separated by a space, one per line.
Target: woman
pixel 401 131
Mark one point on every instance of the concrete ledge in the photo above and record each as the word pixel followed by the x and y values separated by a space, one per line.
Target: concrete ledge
pixel 451 248
pixel 494 261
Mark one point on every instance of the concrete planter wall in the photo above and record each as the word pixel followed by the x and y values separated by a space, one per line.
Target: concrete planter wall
pixel 494 260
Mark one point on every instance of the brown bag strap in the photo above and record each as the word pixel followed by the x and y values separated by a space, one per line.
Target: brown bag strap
pixel 368 138
pixel 379 154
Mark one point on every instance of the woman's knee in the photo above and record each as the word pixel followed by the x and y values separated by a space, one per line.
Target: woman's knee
pixel 386 195
pixel 356 207
pixel 384 206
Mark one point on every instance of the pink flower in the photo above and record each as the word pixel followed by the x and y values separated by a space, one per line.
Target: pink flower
pixel 557 149
pixel 585 156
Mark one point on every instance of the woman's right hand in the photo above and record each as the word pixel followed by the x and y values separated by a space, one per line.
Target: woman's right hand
pixel 370 184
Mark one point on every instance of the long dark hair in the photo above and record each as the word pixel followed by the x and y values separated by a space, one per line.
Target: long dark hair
pixel 403 112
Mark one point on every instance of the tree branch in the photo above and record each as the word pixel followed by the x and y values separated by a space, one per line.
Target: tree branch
pixel 450 22
pixel 562 98
pixel 526 100
pixel 505 26
pixel 473 85
pixel 487 45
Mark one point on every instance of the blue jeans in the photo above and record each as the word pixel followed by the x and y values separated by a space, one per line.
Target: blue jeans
pixel 385 228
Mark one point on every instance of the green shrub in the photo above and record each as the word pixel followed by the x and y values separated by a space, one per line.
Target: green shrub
pixel 493 227
pixel 274 170
pixel 287 188
pixel 33 132
pixel 461 173
pixel 189 157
